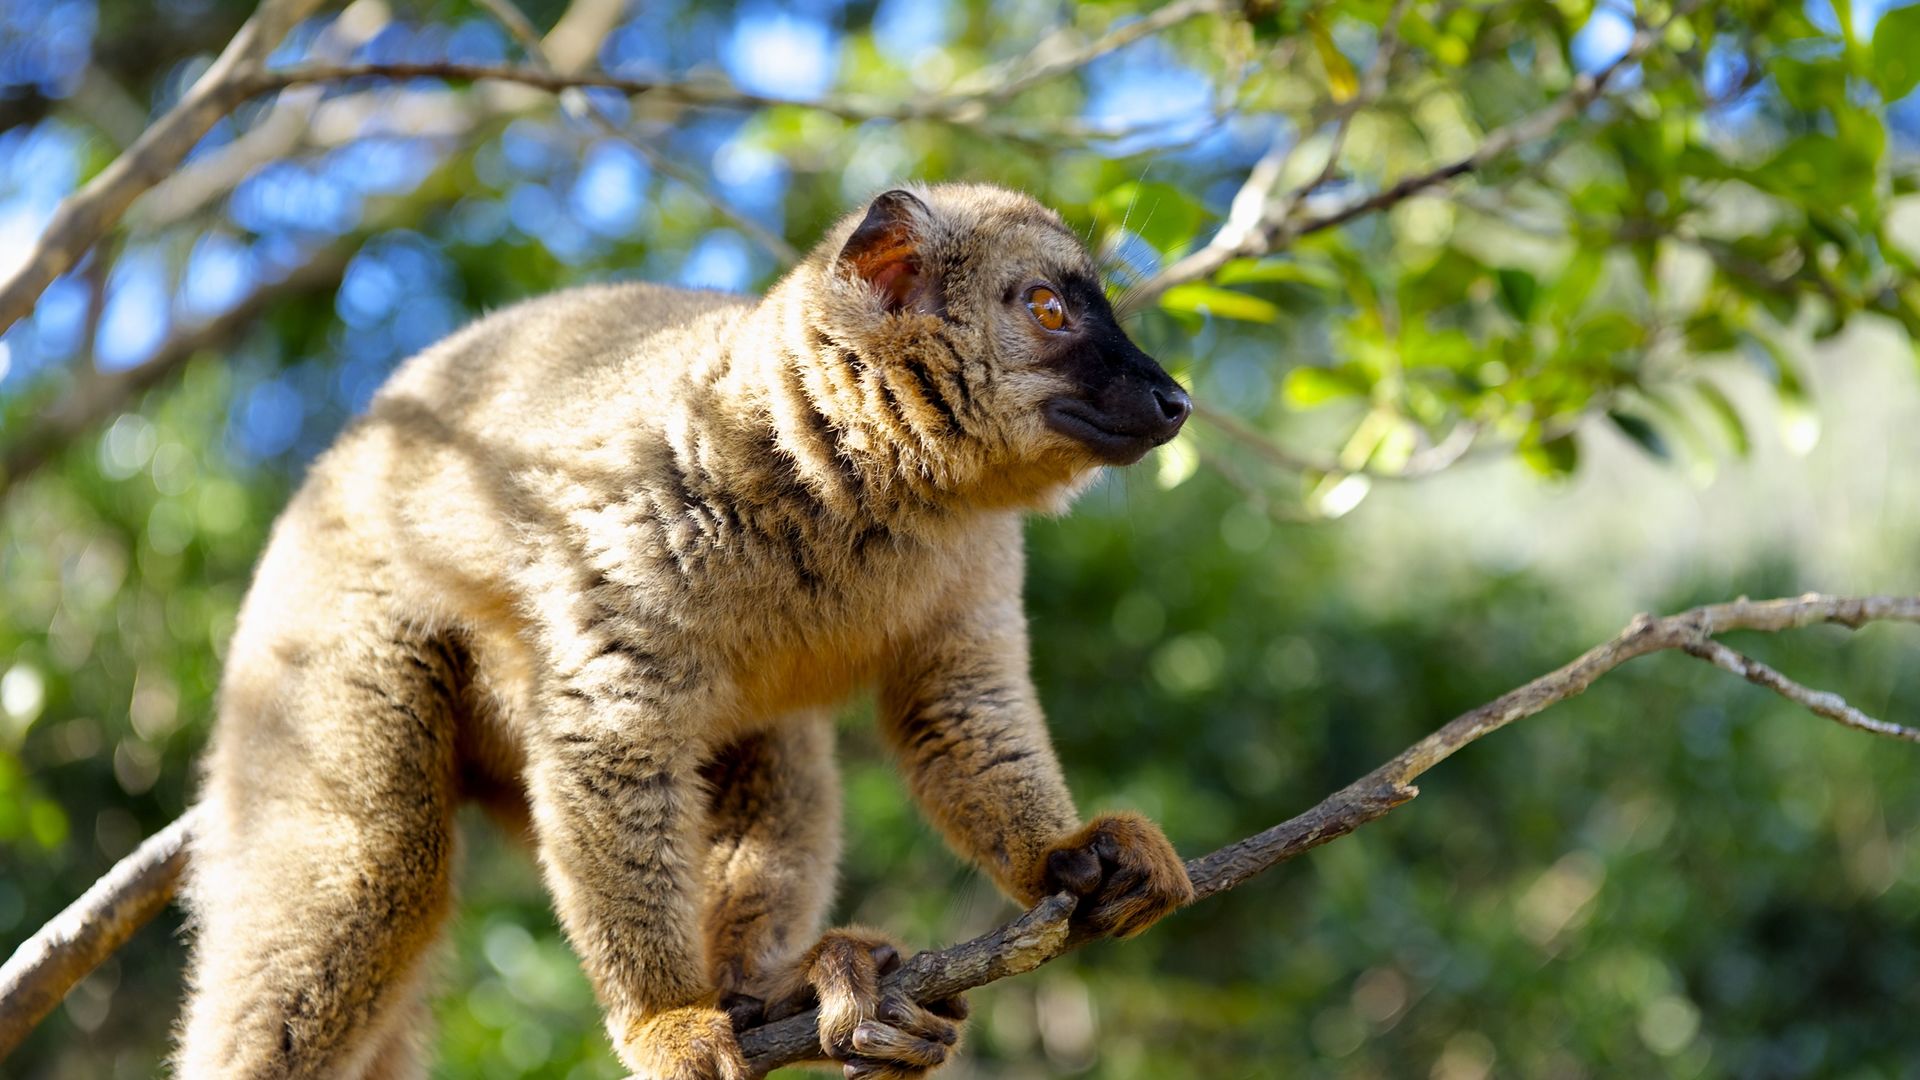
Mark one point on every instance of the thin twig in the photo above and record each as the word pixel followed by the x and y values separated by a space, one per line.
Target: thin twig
pixel 1006 81
pixel 1372 86
pixel 1438 457
pixel 287 125
pixel 581 106
pixel 958 110
pixel 1819 702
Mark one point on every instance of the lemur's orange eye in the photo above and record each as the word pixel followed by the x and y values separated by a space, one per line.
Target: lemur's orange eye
pixel 1047 309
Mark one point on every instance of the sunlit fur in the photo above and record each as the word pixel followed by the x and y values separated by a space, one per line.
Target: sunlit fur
pixel 607 561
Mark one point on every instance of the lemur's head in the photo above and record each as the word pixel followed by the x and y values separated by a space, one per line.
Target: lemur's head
pixel 969 324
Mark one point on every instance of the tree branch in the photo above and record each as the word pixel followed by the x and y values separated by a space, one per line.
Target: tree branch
pixel 56 958
pixel 100 396
pixel 286 125
pixel 49 963
pixel 94 398
pixel 1044 932
pixel 959 109
pixel 85 215
pixel 578 104
pixel 1818 702
pixel 1251 232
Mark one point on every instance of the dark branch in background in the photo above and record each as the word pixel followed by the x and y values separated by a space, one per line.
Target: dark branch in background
pixel 240 75
pixel 51 962
pixel 98 397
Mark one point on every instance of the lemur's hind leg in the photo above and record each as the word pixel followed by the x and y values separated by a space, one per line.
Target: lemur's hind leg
pixel 321 873
pixel 402 1053
pixel 774 820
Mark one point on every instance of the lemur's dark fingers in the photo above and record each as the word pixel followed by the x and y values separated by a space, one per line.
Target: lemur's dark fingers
pixel 844 970
pixel 1125 872
pixel 744 1010
pixel 1074 870
pixel 875 1034
pixel 900 1011
pixel 953 1008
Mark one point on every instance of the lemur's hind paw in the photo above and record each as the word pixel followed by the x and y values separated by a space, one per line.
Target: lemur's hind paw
pixel 692 1043
pixel 874 1034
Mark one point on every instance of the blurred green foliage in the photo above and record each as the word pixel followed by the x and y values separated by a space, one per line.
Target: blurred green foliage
pixel 1674 875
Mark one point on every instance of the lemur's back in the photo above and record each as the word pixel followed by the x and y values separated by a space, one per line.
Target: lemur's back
pixel 573 351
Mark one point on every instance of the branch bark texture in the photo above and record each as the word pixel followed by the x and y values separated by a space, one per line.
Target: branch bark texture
pixel 56 958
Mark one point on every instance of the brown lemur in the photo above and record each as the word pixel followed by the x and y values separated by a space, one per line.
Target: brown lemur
pixel 607 561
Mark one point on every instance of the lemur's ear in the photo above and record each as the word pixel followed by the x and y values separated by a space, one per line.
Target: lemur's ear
pixel 885 250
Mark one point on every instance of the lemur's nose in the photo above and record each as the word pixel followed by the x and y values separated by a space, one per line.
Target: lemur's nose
pixel 1175 407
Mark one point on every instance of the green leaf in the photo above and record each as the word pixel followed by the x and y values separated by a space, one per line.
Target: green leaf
pixel 1810 84
pixel 1218 302
pixel 1605 337
pixel 1278 271
pixel 1555 457
pixel 1576 282
pixel 1824 169
pixel 1342 82
pixel 1896 53
pixel 1518 292
pixel 1710 332
pixel 1731 425
pixel 1641 432
pixel 1799 419
pixel 1679 423
pixel 1307 387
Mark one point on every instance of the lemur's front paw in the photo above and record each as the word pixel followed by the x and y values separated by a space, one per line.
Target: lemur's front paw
pixel 874 1034
pixel 691 1043
pixel 1127 875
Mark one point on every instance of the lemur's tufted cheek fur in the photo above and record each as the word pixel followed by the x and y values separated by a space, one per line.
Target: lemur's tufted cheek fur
pixel 607 562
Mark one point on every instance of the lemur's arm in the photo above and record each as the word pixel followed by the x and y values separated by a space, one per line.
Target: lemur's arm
pixel 960 711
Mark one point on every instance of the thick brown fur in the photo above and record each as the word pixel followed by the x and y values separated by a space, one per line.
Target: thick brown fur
pixel 608 560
